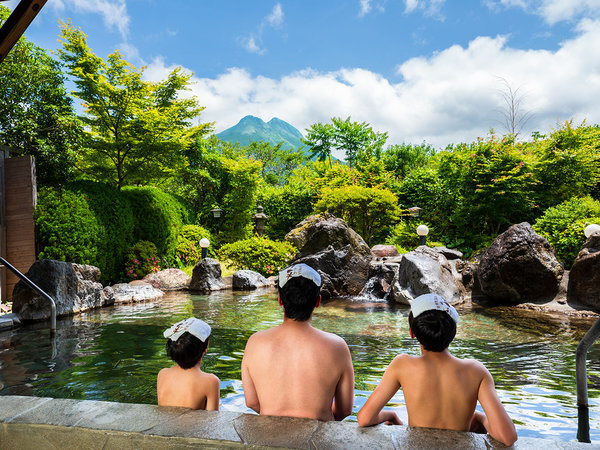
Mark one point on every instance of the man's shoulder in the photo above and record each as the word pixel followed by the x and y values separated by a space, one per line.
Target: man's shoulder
pixel 330 338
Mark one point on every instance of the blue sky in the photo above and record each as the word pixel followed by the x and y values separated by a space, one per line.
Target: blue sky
pixel 422 70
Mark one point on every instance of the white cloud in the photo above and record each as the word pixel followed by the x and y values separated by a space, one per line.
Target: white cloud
pixel 113 12
pixel 411 5
pixel 452 96
pixel 553 11
pixel 365 8
pixel 253 42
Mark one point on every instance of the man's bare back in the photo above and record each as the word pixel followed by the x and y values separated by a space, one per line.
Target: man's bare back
pixel 189 388
pixel 297 370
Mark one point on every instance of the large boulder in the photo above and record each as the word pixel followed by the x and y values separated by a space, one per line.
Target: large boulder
pixel 520 266
pixel 382 273
pixel 136 291
pixel 169 279
pixel 426 270
pixel 246 280
pixel 74 288
pixel 584 277
pixel 338 253
pixel 206 276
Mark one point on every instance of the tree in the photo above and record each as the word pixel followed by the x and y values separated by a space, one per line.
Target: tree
pixel 277 163
pixel 36 113
pixel 136 130
pixel 401 159
pixel 514 117
pixel 356 140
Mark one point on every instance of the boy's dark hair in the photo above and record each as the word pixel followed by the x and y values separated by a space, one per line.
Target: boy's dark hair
pixel 433 329
pixel 299 298
pixel 187 350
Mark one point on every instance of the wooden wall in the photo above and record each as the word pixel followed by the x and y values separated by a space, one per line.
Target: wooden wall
pixel 20 195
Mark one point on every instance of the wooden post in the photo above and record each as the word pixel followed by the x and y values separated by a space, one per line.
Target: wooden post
pixel 20 201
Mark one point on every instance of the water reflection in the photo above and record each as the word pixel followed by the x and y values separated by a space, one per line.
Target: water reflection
pixel 115 353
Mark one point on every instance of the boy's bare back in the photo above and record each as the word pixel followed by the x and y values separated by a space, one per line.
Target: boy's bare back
pixel 296 370
pixel 189 388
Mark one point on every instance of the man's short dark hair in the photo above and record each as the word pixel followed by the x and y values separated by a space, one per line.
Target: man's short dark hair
pixel 299 298
pixel 187 350
pixel 433 329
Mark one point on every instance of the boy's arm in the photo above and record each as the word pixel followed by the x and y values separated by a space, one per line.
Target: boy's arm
pixel 496 420
pixel 250 394
pixel 213 395
pixel 344 391
pixel 371 413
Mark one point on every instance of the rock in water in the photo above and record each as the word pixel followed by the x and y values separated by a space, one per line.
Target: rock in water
pixel 168 279
pixel 520 266
pixel 246 280
pixel 74 288
pixel 206 276
pixel 337 252
pixel 584 278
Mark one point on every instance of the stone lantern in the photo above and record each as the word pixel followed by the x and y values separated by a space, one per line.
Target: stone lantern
pixel 260 218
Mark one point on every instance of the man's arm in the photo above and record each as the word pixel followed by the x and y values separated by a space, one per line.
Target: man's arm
pixel 213 395
pixel 371 413
pixel 344 391
pixel 250 394
pixel 496 420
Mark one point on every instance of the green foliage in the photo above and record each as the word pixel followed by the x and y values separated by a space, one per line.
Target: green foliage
pixel 142 259
pixel 136 130
pixel 568 163
pixel 402 159
pixel 66 227
pixel 563 226
pixel 286 206
pixel 356 140
pixel 188 250
pixel 277 163
pixel 259 254
pixel 369 211
pixel 36 114
pixel 404 236
pixel 159 217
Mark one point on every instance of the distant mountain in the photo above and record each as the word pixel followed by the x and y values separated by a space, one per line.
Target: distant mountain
pixel 251 129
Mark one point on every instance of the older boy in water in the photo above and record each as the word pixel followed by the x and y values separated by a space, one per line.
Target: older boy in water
pixel 295 369
pixel 440 390
pixel 185 384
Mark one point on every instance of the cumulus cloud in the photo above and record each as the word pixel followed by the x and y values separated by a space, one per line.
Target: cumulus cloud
pixel 451 96
pixel 113 12
pixel 252 43
pixel 365 7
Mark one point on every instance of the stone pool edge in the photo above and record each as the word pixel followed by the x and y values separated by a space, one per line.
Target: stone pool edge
pixel 41 422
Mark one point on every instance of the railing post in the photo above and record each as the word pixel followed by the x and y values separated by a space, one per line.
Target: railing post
pixel 583 422
pixel 33 286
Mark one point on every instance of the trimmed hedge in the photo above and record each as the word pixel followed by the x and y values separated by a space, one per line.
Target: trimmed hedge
pixel 93 223
pixel 259 254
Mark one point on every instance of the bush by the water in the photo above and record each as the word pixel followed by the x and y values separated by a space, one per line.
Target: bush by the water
pixel 188 250
pixel 259 254
pixel 142 259
pixel 563 226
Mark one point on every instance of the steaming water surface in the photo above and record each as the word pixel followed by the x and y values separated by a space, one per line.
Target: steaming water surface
pixel 115 353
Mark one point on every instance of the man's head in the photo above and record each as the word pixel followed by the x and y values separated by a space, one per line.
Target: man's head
pixel 187 342
pixel 299 287
pixel 433 322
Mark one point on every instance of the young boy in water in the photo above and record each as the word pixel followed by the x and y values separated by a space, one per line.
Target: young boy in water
pixel 440 390
pixel 185 384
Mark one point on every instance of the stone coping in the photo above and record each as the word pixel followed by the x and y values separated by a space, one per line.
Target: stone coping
pixel 37 422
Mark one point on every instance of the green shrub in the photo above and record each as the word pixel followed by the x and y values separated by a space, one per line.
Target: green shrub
pixel 158 217
pixel 188 250
pixel 66 227
pixel 259 254
pixel 404 236
pixel 142 259
pixel 563 226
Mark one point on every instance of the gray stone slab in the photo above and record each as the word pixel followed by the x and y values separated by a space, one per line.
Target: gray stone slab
pixel 336 435
pixel 14 405
pixel 6 322
pixel 419 438
pixel 200 424
pixel 269 431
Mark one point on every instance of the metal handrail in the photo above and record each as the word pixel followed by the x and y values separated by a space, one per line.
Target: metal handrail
pixel 33 286
pixel 583 423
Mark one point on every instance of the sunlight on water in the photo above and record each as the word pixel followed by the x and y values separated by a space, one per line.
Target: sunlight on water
pixel 115 353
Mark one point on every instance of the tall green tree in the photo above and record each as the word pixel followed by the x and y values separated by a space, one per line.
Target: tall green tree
pixel 401 159
pixel 356 140
pixel 36 113
pixel 277 163
pixel 136 130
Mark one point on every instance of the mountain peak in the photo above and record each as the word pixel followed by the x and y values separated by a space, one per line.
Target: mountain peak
pixel 252 129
